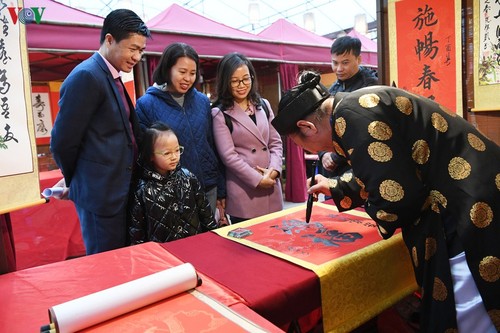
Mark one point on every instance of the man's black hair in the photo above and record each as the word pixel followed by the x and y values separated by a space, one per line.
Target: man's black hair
pixel 121 23
pixel 346 44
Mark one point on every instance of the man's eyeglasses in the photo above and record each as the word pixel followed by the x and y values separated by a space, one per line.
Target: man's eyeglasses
pixel 170 154
pixel 246 81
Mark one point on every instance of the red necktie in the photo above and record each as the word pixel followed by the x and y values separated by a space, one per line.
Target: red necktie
pixel 121 89
pixel 119 85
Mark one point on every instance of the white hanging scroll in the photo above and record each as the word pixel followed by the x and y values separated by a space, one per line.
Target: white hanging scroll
pixel 42 113
pixel 19 182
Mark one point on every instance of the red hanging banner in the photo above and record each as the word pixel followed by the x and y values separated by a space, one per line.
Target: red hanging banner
pixel 426 49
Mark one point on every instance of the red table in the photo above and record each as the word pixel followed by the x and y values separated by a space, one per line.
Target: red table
pixel 274 288
pixel 28 294
pixel 46 233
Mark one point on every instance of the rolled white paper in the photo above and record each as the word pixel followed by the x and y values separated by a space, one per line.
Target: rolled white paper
pixel 98 307
pixel 52 191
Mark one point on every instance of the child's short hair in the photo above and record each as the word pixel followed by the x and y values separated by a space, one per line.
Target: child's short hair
pixel 149 137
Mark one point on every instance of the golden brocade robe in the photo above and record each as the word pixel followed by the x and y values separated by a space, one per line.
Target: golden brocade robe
pixel 419 167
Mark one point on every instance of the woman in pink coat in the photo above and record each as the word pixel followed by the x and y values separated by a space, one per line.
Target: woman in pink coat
pixel 248 145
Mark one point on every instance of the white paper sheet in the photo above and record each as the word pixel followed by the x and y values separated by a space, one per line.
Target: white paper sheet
pixel 95 308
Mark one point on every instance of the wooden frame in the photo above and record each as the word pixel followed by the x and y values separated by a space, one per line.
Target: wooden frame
pixel 486 65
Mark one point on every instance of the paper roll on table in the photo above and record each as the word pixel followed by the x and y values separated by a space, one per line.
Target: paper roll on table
pixel 98 307
pixel 52 191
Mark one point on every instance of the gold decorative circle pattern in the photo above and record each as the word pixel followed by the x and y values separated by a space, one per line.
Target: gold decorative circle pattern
pixel 332 183
pixel 340 126
pixel 476 142
pixel 430 247
pixel 439 292
pixel 388 217
pixel 459 168
pixel 435 198
pixel 495 317
pixel 481 214
pixel 382 230
pixel 360 183
pixel 380 152
pixel 363 194
pixel 489 268
pixel 369 100
pixel 420 152
pixel 346 177
pixel 338 150
pixel 379 130
pixel 346 202
pixel 439 122
pixel 497 181
pixel 391 190
pixel 404 105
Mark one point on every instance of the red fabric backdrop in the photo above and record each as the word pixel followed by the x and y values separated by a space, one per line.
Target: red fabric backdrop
pixel 295 188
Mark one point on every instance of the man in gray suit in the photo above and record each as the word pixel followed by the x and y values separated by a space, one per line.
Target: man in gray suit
pixel 95 135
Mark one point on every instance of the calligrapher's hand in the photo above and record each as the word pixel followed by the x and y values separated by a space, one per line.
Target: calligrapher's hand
pixel 322 185
pixel 65 194
pixel 328 162
pixel 268 177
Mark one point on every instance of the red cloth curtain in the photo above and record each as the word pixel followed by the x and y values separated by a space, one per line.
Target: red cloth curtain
pixel 7 251
pixel 152 64
pixel 295 186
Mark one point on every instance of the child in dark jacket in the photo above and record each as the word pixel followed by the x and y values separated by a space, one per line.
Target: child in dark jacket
pixel 168 202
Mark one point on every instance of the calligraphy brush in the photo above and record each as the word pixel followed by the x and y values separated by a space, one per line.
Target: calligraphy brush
pixel 310 199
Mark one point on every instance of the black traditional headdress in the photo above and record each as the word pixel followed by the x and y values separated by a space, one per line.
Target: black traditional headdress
pixel 299 101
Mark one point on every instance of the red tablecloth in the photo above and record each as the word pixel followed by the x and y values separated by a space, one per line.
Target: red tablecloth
pixel 46 233
pixel 28 294
pixel 274 288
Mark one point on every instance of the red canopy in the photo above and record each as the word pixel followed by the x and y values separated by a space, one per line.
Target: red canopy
pixel 298 45
pixel 288 32
pixel 210 39
pixel 66 35
pixel 64 38
pixel 63 28
pixel 282 42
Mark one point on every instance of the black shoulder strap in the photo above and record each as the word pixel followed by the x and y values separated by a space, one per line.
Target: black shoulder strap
pixel 264 106
pixel 227 119
pixel 229 122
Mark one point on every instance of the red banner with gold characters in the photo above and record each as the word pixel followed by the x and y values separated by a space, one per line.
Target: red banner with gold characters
pixel 426 49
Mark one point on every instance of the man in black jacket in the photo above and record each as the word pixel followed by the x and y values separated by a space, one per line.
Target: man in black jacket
pixel 346 60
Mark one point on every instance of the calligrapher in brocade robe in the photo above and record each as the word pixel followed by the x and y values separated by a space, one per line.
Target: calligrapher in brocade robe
pixel 419 167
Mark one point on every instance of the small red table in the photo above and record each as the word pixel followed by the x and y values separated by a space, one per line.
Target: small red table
pixel 46 233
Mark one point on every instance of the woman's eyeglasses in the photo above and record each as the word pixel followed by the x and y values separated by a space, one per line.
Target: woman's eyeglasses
pixel 246 81
pixel 170 154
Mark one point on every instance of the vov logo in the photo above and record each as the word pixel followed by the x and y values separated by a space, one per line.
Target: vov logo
pixel 26 15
